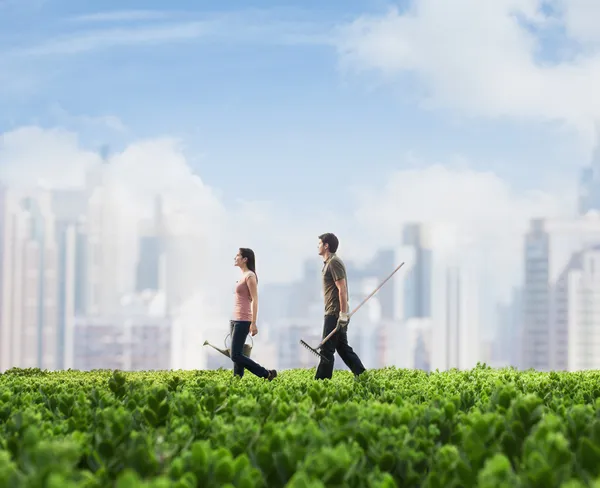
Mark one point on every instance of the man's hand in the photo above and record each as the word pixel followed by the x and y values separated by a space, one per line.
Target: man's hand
pixel 343 319
pixel 253 329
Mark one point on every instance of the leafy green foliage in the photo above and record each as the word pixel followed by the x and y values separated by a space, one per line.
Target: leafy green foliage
pixel 391 428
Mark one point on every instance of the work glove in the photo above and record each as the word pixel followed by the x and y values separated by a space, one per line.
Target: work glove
pixel 343 319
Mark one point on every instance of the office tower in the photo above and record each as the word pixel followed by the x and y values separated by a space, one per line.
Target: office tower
pixel 305 291
pixel 151 255
pixel 379 268
pixel 28 289
pixel 507 345
pixel 414 283
pixel 41 271
pixel 549 247
pixel 577 311
pixel 589 182
pixel 70 208
pixel 437 300
pixel 13 238
pixel 111 244
pixel 457 320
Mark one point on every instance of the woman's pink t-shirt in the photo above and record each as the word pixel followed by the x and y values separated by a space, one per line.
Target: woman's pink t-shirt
pixel 242 307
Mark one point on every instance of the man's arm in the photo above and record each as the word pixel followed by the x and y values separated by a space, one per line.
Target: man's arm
pixel 343 292
pixel 338 273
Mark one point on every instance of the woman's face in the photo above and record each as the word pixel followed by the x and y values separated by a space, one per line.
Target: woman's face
pixel 238 260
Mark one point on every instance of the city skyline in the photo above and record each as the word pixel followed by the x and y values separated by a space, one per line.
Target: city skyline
pixel 76 293
pixel 79 274
pixel 266 125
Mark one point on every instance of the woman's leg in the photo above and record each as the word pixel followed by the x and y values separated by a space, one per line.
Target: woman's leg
pixel 238 338
pixel 238 369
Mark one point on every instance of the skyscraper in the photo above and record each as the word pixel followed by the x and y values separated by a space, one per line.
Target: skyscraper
pixel 456 322
pixel 28 288
pixel 41 261
pixel 151 253
pixel 589 182
pixel 437 301
pixel 111 243
pixel 69 209
pixel 13 222
pixel 549 247
pixel 578 311
pixel 413 285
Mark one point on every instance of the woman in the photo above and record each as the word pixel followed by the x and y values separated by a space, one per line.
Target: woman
pixel 245 311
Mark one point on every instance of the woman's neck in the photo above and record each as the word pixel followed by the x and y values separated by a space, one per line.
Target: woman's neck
pixel 244 269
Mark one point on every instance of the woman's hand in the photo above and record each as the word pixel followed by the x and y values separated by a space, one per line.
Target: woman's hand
pixel 253 329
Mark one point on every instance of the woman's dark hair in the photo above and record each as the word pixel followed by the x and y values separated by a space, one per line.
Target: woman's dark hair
pixel 251 260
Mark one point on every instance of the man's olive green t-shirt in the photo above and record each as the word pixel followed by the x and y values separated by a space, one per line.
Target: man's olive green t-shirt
pixel 333 270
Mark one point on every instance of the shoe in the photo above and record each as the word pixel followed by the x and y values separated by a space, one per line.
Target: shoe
pixel 272 375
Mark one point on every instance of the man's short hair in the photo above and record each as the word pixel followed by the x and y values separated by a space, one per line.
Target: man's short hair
pixel 331 240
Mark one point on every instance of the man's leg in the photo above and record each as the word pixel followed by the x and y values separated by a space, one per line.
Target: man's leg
pixel 240 332
pixel 325 369
pixel 347 353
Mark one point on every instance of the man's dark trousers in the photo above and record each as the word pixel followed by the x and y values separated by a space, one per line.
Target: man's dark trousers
pixel 339 343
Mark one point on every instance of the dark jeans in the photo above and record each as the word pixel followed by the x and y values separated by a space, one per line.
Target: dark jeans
pixel 239 332
pixel 339 343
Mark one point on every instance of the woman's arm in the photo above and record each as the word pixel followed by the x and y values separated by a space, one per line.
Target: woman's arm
pixel 252 286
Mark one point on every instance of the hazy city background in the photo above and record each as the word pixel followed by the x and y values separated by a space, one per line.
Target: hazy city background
pixel 139 149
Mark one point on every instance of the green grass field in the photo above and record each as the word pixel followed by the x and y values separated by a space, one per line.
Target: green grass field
pixel 484 427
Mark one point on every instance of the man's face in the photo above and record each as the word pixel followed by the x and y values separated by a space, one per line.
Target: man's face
pixel 322 248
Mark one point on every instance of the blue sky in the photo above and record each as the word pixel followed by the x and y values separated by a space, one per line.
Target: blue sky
pixel 354 117
pixel 259 95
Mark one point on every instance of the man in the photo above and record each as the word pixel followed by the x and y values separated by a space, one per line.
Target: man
pixel 335 291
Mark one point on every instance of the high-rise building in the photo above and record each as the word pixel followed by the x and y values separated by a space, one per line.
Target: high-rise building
pixel 437 299
pixel 28 289
pixel 13 237
pixel 589 182
pixel 417 289
pixel 456 324
pixel 379 268
pixel 577 311
pixel 368 327
pixel 70 207
pixel 67 237
pixel 506 348
pixel 549 247
pixel 41 264
pixel 150 272
pixel 111 245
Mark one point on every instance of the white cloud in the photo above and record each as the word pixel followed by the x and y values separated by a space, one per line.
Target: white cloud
pixel 477 57
pixel 581 19
pixel 31 155
pixel 110 38
pixel 270 26
pixel 480 220
pixel 488 216
pixel 95 123
pixel 122 16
